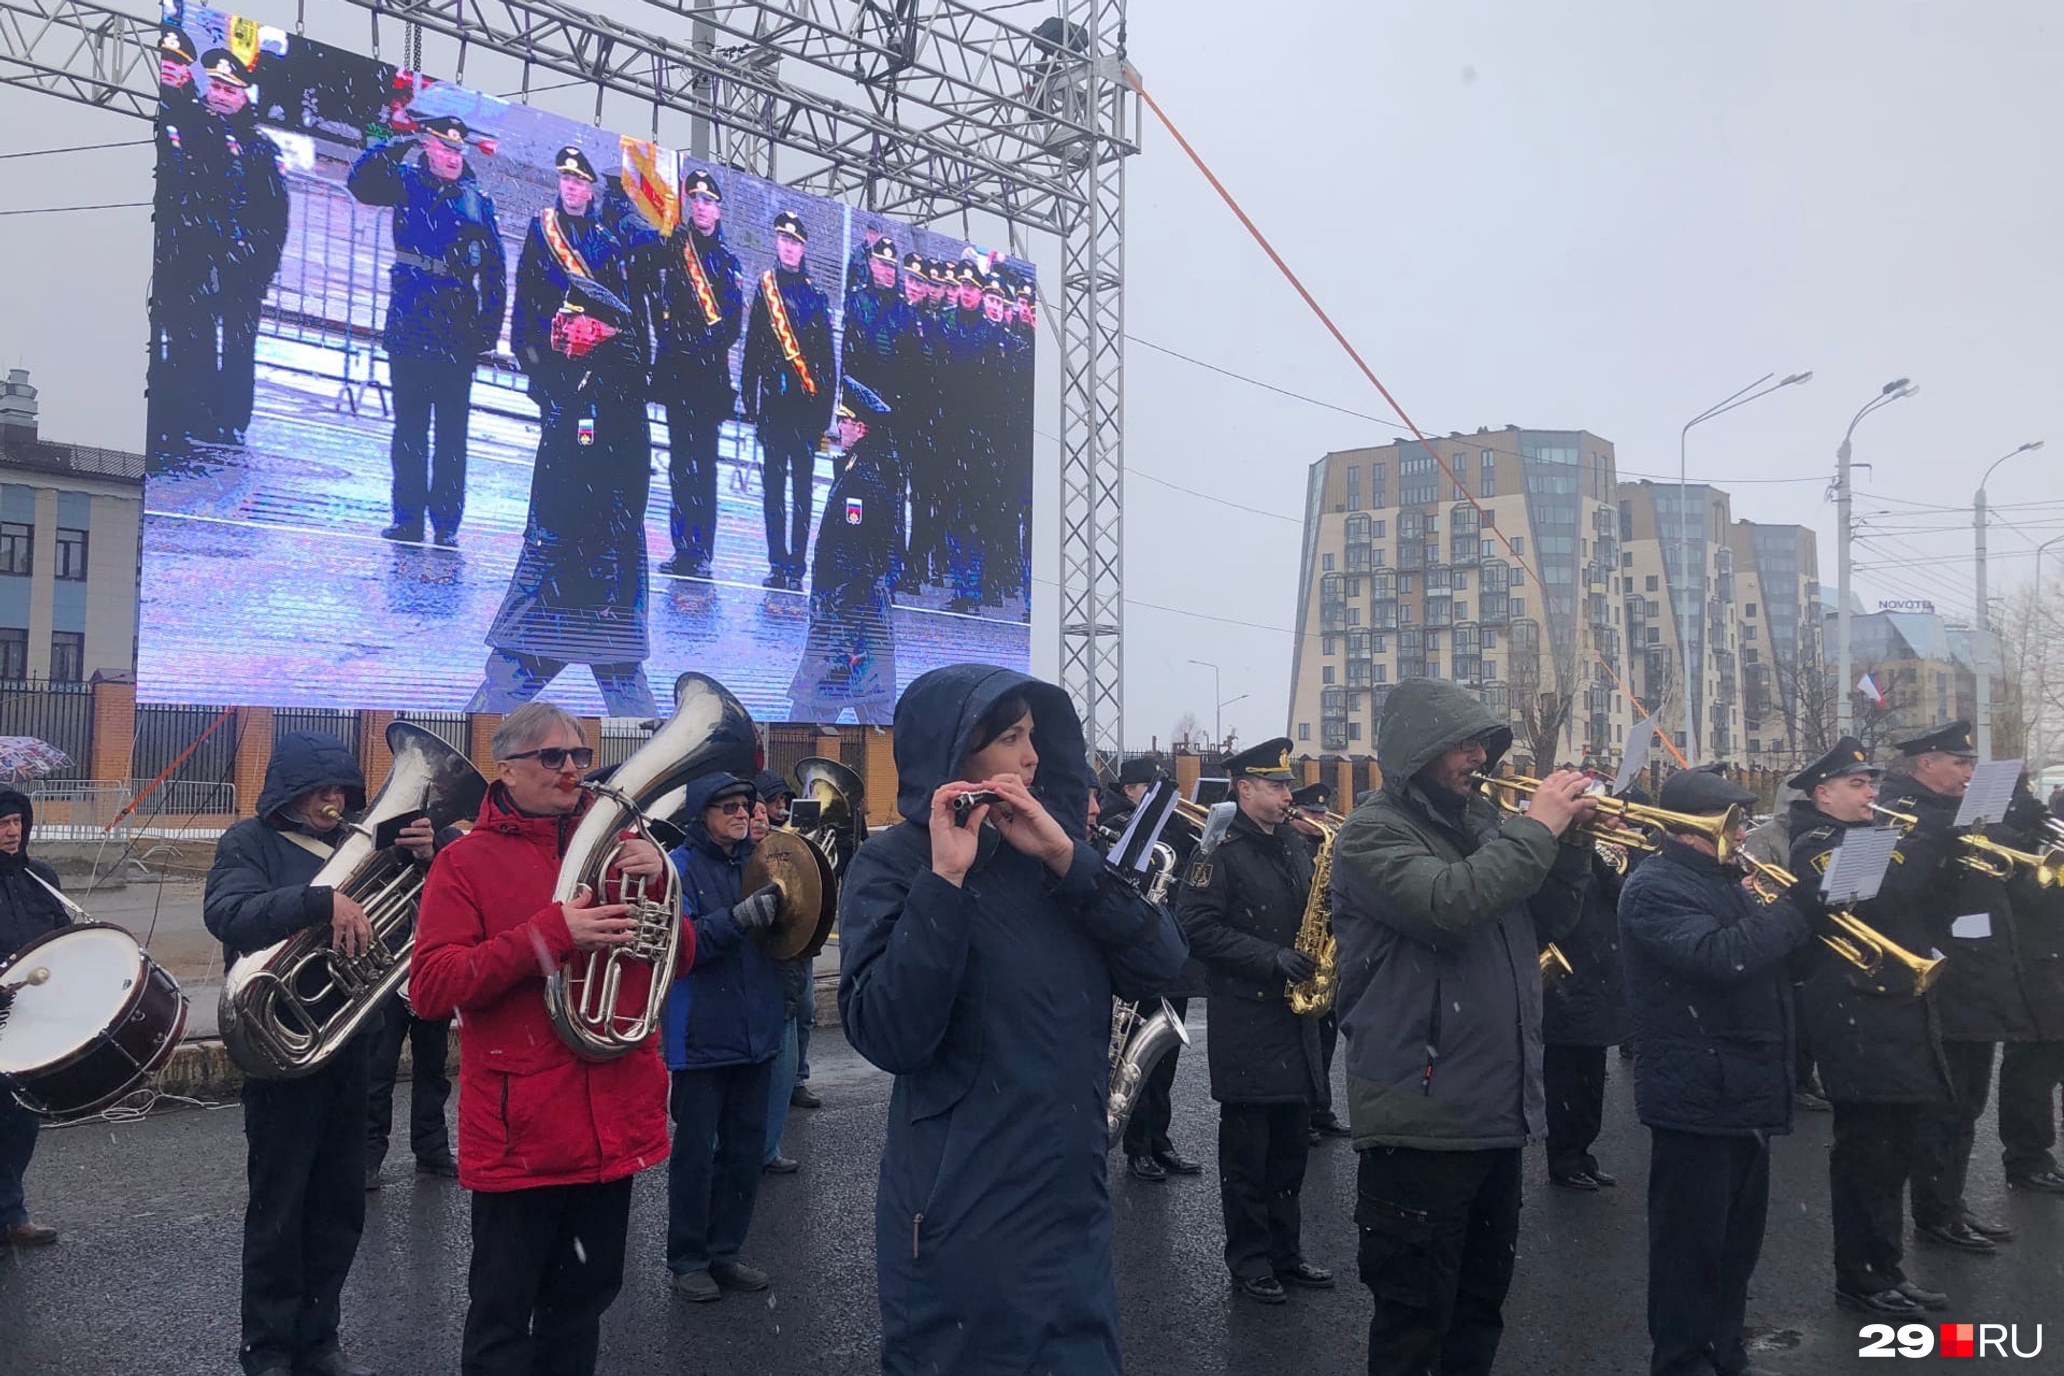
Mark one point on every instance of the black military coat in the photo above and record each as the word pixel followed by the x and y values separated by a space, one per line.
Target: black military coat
pixel 694 351
pixel 1979 996
pixel 1872 1047
pixel 772 387
pixel 1238 909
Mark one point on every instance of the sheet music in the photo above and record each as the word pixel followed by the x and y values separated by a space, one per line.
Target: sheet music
pixel 1136 845
pixel 1639 742
pixel 1859 865
pixel 1992 787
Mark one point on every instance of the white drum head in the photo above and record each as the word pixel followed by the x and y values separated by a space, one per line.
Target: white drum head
pixel 92 973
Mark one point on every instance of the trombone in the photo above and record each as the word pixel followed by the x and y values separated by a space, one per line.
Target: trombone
pixel 1628 826
pixel 1854 940
pixel 1987 856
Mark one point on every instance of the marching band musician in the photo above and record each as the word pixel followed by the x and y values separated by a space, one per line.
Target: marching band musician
pixel 548 1141
pixel 28 909
pixel 306 1136
pixel 1149 1152
pixel 1440 910
pixel 960 931
pixel 1311 805
pixel 1241 909
pixel 1879 1050
pixel 787 379
pixel 702 314
pixel 578 592
pixel 1712 1005
pixel 2030 1070
pixel 444 309
pixel 1979 1000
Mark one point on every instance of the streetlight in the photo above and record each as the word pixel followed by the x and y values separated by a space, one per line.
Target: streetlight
pixel 2042 662
pixel 1889 393
pixel 1216 737
pixel 1985 610
pixel 1754 391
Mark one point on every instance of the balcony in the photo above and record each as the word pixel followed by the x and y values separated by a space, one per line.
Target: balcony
pixel 1411 667
pixel 1332 616
pixel 1468 670
pixel 1383 615
pixel 1467 638
pixel 1357 558
pixel 1465 550
pixel 1411 556
pixel 1493 608
pixel 1440 612
pixel 1497 697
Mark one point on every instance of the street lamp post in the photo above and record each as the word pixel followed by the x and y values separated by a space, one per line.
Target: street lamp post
pixel 1984 674
pixel 1694 593
pixel 1216 735
pixel 1889 393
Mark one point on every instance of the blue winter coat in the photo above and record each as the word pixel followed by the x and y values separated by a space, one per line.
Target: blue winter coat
pixel 257 891
pixel 1711 998
pixel 729 1009
pixel 991 1005
pixel 449 283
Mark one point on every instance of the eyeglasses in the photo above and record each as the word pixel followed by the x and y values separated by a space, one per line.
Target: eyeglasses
pixel 733 805
pixel 556 756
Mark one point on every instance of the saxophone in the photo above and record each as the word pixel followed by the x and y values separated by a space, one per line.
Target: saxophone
pixel 1314 997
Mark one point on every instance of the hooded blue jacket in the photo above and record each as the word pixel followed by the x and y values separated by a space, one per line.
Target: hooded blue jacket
pixel 729 1009
pixel 257 892
pixel 990 1003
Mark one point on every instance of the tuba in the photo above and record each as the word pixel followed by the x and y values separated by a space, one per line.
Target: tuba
pixel 290 1007
pixel 606 1003
pixel 1314 997
pixel 841 798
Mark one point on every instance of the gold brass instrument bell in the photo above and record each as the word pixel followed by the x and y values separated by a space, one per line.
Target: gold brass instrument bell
pixel 1987 856
pixel 1855 940
pixel 1619 823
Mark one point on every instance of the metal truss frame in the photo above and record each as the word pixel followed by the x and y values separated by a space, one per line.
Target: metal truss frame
pixel 919 109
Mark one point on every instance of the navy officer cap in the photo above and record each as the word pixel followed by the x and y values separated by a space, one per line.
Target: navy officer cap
pixel 1953 739
pixel 1140 769
pixel 1846 758
pixel 1270 760
pixel 1312 795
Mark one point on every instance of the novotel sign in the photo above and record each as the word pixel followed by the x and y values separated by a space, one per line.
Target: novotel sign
pixel 1907 604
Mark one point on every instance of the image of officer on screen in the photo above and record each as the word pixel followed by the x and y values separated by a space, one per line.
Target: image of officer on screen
pixel 787 381
pixel 849 658
pixel 578 592
pixel 702 315
pixel 447 293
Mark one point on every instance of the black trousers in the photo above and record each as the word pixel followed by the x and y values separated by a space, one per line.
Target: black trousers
pixel 1438 1232
pixel 1942 1141
pixel 2029 1075
pixel 1867 1172
pixel 788 465
pixel 237 381
pixel 547 1264
pixel 1707 1197
pixel 429 1085
pixel 1329 1037
pixel 1261 1155
pixel 713 1175
pixel 430 477
pixel 306 1167
pixel 1573 1078
pixel 1146 1132
pixel 692 431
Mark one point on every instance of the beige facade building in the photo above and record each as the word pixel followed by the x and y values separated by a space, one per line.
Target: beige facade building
pixel 1505 579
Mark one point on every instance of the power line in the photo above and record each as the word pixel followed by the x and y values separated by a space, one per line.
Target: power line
pixel 75 148
pixel 68 209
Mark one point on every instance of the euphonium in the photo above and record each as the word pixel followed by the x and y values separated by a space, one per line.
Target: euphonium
pixel 1137 1046
pixel 1315 933
pixel 1854 940
pixel 290 1007
pixel 605 1003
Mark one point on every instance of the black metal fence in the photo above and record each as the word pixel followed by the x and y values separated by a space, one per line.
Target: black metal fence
pixel 165 730
pixel 59 714
pixel 449 727
pixel 331 721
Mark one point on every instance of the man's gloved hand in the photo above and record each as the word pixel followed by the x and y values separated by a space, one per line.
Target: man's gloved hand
pixel 757 912
pixel 1294 965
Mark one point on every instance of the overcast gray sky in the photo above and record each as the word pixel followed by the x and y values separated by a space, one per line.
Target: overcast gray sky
pixel 1606 214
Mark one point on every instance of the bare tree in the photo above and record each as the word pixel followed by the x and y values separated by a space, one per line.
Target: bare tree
pixel 1543 693
pixel 1806 699
pixel 1187 729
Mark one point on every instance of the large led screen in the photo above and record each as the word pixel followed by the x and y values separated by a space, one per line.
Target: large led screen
pixel 454 402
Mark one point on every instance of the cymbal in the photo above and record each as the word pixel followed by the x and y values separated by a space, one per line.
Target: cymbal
pixel 800 874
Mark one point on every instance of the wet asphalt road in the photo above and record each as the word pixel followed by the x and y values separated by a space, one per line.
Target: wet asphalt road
pixel 145 1278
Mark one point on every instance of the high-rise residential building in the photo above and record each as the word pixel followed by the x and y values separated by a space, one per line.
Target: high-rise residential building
pixel 1783 669
pixel 1504 578
pixel 1663 527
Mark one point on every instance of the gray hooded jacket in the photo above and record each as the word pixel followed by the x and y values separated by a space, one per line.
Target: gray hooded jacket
pixel 1440 918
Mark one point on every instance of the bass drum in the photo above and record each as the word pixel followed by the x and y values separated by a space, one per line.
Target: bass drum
pixel 92 1016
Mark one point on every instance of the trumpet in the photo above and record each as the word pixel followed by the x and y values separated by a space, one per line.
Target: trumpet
pixel 1987 856
pixel 1554 964
pixel 1854 940
pixel 1628 826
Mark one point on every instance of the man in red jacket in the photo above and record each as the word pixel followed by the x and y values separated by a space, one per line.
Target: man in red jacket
pixel 548 1142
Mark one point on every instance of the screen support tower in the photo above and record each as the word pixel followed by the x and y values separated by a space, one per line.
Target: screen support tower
pixel 920 109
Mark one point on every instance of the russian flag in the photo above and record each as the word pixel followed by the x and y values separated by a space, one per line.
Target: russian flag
pixel 1868 686
pixel 1959 1340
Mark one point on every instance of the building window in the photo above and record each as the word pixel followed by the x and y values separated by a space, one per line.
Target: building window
pixel 1376 556
pixel 1655 635
pixel 14 653
pixel 1354 730
pixel 1461 611
pixel 1652 607
pixel 17 541
pixel 71 555
pixel 1405 614
pixel 1304 730
pixel 1378 643
pixel 1749 611
pixel 1326 563
pixel 1326 674
pixel 1433 640
pixel 1461 577
pixel 1376 479
pixel 1748 633
pixel 1490 668
pixel 1519 606
pixel 67 657
pixel 1329 645
pixel 1383 673
pixel 1354 616
pixel 1381 527
pixel 1650 585
pixel 1490 637
pixel 1519 546
pixel 1517 579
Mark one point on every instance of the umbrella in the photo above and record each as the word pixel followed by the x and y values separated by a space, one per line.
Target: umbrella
pixel 24 757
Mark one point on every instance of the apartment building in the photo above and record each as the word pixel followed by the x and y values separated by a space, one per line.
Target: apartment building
pixel 1783 668
pixel 1504 578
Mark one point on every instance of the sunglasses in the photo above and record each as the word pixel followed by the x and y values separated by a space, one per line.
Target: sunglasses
pixel 731 806
pixel 556 756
